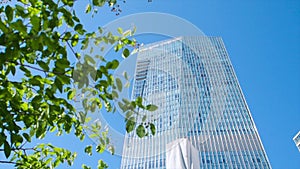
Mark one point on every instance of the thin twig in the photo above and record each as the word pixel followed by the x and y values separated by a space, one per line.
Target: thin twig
pixel 72 49
pixel 18 149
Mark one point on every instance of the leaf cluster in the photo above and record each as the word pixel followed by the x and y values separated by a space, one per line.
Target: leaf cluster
pixel 39 84
pixel 136 116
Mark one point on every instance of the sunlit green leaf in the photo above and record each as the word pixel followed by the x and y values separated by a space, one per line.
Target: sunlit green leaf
pixel 71 94
pixel 120 30
pixel 111 149
pixel 100 148
pixel 88 8
pixel 75 39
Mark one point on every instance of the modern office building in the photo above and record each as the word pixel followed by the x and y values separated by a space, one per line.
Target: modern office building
pixel 297 140
pixel 203 120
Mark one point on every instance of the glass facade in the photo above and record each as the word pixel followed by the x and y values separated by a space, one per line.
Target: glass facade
pixel 297 140
pixel 192 81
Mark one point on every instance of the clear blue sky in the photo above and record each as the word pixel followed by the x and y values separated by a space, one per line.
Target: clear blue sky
pixel 262 38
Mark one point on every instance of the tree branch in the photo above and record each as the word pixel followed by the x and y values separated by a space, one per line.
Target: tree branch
pixel 41 70
pixel 13 149
pixel 8 162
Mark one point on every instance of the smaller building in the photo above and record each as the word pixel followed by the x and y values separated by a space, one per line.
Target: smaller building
pixel 297 140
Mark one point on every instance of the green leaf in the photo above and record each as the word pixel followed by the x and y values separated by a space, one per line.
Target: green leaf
pixel 152 128
pixel 120 30
pixel 67 17
pixel 114 94
pixel 43 65
pixel 52 129
pixel 7 149
pixel 35 44
pixel 9 13
pixel 111 149
pixel 13 70
pixel 85 167
pixel 100 148
pixel 115 64
pixel 16 139
pixel 151 107
pixel 125 53
pixel 122 106
pixel 125 34
pixel 71 94
pixel 24 106
pixel 99 3
pixel 74 40
pixel 102 165
pixel 128 115
pixel 68 2
pixel 88 8
pixel 62 64
pixel 93 106
pixel 67 36
pixel 125 75
pixel 27 137
pixel 48 161
pixel 3 27
pixel 26 71
pixel 119 84
pixel 58 84
pixel 140 131
pixel 82 116
pixel 144 118
pixel 75 18
pixel 35 21
pixel 118 47
pixel 139 101
pixel 19 25
pixel 88 150
pixel 130 124
pixel 41 130
pixel 89 59
pixel 20 10
pixel 126 101
pixel 79 29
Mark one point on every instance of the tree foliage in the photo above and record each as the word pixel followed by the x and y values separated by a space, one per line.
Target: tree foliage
pixel 39 83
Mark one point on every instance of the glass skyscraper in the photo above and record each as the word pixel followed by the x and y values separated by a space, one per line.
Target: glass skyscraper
pixel 192 81
pixel 297 140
